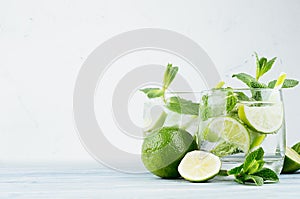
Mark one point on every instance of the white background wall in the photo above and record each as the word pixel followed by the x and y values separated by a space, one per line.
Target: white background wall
pixel 44 43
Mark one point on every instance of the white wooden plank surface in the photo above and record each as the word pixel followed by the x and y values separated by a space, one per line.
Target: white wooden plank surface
pixel 99 182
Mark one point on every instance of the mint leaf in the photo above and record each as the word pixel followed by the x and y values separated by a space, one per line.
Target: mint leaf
pixel 249 80
pixel 231 101
pixel 259 63
pixel 239 180
pixel 256 84
pixel 153 92
pixel 244 178
pixel 267 175
pixel 252 158
pixel 255 166
pixel 236 170
pixel 288 83
pixel 182 106
pixel 242 96
pixel 268 66
pixel 169 75
pixel 263 65
pixel 256 95
pixel 252 178
pixel 205 110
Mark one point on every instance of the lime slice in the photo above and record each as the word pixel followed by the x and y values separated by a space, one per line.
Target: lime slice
pixel 291 161
pixel 265 119
pixel 199 166
pixel 229 130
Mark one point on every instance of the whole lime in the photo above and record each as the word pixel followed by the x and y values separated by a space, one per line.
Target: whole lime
pixel 163 150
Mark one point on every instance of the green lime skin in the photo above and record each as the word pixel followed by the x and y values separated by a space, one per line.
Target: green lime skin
pixel 162 151
pixel 290 166
pixel 296 147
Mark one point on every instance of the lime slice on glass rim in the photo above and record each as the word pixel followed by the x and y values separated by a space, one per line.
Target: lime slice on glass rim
pixel 199 166
pixel 228 130
pixel 264 119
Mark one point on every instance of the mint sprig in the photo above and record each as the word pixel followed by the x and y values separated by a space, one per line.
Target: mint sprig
pixel 175 104
pixel 169 76
pixel 252 170
pixel 263 65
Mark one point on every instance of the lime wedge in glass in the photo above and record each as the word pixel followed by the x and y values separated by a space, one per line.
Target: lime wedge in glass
pixel 230 133
pixel 265 119
pixel 199 166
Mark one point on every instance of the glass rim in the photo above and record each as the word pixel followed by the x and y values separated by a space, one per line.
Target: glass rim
pixel 224 89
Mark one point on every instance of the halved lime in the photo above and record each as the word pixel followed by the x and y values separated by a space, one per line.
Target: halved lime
pixel 229 130
pixel 265 119
pixel 163 150
pixel 199 166
pixel 291 161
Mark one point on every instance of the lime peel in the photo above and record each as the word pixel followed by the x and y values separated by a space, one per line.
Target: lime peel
pixel 291 161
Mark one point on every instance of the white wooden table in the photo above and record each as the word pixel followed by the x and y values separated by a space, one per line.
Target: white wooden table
pixel 94 181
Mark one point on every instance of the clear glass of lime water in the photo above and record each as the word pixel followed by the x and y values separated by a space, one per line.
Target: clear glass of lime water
pixel 234 122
